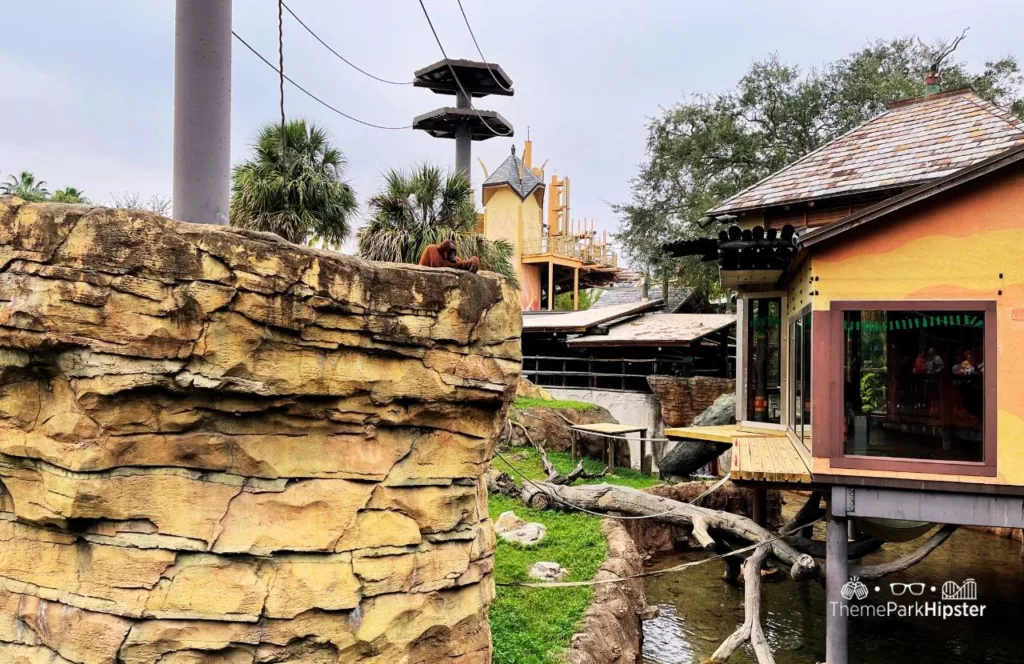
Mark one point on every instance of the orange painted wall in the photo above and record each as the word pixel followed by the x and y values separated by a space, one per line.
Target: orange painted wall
pixel 952 248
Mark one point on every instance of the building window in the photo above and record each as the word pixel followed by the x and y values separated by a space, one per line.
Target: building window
pixel 800 374
pixel 763 333
pixel 914 383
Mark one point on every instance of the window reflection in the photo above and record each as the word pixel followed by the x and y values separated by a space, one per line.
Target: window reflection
pixel 800 375
pixel 913 384
pixel 764 390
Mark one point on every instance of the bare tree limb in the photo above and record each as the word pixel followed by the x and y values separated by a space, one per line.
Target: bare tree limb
pixel 867 572
pixel 751 629
pixel 701 520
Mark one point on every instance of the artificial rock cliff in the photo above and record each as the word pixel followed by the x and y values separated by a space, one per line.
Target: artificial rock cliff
pixel 216 446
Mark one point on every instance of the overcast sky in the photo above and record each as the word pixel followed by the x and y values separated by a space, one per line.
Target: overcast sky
pixel 87 93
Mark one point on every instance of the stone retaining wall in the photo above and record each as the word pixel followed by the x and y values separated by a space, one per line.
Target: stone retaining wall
pixel 216 446
pixel 683 399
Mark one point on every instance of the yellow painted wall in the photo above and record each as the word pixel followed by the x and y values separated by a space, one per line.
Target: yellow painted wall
pixel 509 218
pixel 954 248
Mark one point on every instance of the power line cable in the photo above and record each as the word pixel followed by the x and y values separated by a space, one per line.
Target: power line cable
pixel 280 70
pixel 455 76
pixel 339 55
pixel 481 53
pixel 310 94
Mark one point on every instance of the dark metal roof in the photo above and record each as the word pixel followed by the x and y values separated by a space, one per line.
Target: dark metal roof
pixel 916 195
pixel 476 77
pixel 516 175
pixel 738 249
pixel 442 123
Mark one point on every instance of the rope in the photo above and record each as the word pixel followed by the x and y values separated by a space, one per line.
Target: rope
pixel 668 570
pixel 339 55
pixel 618 517
pixel 310 94
pixel 457 81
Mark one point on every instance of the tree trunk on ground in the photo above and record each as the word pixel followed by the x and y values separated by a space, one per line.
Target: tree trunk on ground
pixel 701 520
pixel 731 530
pixel 689 456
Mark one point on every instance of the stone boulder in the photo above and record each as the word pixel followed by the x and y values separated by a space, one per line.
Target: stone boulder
pixel 547 571
pixel 512 528
pixel 219 446
pixel 527 389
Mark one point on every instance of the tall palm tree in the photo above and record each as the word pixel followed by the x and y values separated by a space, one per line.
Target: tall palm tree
pixel 298 194
pixel 425 206
pixel 25 186
pixel 69 195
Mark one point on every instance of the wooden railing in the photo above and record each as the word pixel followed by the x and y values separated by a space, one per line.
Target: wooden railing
pixel 578 248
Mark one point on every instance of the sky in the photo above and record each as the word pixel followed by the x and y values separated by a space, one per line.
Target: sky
pixel 87 93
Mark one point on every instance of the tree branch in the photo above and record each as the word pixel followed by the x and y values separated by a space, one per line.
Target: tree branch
pixel 751 629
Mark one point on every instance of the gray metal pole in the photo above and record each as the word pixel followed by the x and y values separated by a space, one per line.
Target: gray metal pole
pixel 463 138
pixel 836 575
pixel 202 110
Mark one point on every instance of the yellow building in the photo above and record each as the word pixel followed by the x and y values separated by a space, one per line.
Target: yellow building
pixel 552 255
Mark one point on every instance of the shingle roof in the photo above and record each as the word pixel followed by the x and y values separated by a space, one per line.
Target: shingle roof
pixel 1014 155
pixel 657 330
pixel 516 175
pixel 581 321
pixel 910 143
pixel 628 293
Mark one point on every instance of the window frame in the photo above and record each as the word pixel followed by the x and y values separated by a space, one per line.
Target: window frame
pixel 743 359
pixel 801 431
pixel 836 454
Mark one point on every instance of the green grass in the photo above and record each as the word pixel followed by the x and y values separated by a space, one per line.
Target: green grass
pixel 531 402
pixel 527 460
pixel 530 625
pixel 534 625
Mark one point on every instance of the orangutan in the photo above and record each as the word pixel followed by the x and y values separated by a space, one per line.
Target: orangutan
pixel 443 255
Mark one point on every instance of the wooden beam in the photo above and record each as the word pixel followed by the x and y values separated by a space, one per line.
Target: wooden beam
pixel 576 289
pixel 551 286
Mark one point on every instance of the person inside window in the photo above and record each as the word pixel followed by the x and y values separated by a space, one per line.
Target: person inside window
pixel 920 364
pixel 967 367
pixel 934 364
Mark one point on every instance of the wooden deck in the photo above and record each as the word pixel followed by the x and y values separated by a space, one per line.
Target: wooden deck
pixel 770 459
pixel 758 456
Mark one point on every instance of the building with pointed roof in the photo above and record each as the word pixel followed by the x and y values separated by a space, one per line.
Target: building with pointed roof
pixel 554 255
pixel 880 318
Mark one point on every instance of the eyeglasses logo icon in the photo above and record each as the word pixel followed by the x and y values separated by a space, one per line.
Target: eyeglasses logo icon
pixel 915 589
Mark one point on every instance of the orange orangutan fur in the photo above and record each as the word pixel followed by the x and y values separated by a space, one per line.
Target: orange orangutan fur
pixel 443 255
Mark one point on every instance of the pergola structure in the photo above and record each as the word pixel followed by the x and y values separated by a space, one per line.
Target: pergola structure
pixel 465 79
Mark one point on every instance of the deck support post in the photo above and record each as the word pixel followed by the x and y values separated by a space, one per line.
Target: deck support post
pixel 760 510
pixel 551 286
pixel 836 575
pixel 576 289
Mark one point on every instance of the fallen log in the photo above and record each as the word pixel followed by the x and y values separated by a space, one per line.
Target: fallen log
pixel 625 500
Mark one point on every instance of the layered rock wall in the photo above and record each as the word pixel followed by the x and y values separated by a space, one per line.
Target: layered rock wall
pixel 216 446
pixel 683 399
